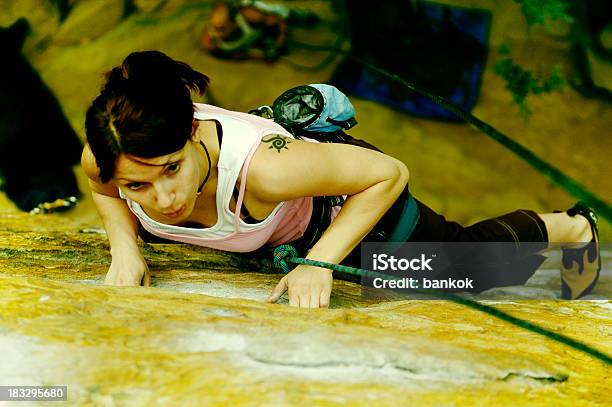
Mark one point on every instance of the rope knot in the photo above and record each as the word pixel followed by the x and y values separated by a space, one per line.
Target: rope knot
pixel 283 254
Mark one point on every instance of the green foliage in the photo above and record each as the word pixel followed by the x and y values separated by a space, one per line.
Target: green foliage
pixel 521 82
pixel 542 11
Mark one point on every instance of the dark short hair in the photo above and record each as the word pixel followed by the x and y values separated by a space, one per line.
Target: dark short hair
pixel 144 109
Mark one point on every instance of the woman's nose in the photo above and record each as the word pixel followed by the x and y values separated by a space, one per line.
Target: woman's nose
pixel 165 196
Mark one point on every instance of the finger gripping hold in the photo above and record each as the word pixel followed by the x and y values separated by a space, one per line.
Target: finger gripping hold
pixel 284 254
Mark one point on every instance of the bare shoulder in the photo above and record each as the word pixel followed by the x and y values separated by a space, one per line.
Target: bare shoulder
pixel 90 167
pixel 284 168
pixel 88 163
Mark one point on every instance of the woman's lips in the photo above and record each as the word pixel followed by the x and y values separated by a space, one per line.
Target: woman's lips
pixel 175 214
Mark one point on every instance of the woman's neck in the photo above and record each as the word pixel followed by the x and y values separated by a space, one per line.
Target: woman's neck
pixel 207 131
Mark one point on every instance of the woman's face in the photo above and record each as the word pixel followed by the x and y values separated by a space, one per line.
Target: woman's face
pixel 166 186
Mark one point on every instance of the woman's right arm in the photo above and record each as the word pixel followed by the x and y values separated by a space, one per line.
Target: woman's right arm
pixel 128 266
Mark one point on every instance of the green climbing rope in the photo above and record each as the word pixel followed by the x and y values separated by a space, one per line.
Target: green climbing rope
pixel 554 174
pixel 285 254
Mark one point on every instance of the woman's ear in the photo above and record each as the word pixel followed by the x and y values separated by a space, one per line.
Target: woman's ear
pixel 195 136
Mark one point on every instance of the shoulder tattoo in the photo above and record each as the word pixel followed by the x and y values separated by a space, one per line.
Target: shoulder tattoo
pixel 277 142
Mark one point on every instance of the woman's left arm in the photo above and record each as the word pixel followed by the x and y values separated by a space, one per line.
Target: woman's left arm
pixel 284 169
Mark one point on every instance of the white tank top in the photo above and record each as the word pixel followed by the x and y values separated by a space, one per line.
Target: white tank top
pixel 242 135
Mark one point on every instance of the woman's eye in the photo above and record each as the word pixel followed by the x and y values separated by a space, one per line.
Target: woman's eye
pixel 173 168
pixel 135 186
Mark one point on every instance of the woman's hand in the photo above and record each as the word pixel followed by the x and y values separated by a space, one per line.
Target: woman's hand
pixel 308 286
pixel 130 270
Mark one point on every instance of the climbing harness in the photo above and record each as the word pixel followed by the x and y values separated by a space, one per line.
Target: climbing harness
pixel 285 254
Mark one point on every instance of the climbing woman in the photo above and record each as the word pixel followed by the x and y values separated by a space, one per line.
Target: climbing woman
pixel 168 169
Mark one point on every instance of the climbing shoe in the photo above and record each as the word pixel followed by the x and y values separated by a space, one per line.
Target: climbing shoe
pixel 580 267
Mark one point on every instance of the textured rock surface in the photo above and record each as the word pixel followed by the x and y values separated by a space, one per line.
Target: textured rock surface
pixel 203 335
